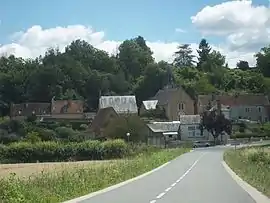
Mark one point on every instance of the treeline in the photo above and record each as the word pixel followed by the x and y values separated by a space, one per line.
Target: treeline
pixel 84 72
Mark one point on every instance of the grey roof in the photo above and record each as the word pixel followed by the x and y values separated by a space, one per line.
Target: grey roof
pixel 190 119
pixel 150 104
pixel 163 96
pixel 121 104
pixel 164 126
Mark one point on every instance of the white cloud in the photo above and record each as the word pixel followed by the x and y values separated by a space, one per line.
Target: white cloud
pixel 179 30
pixel 246 26
pixel 36 40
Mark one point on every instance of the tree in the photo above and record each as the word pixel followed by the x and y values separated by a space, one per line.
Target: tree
pixel 215 123
pixel 263 61
pixel 204 55
pixel 184 56
pixel 243 65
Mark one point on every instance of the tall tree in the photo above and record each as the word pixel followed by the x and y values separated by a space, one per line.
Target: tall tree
pixel 263 61
pixel 204 55
pixel 243 65
pixel 184 56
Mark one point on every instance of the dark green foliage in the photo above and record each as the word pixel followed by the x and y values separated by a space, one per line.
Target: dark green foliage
pixel 59 151
pixel 84 72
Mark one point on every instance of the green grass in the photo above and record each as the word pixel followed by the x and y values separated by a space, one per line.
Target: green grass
pixel 252 165
pixel 68 184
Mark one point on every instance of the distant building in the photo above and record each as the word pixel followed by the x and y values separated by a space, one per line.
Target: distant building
pixel 158 132
pixel 247 106
pixel 101 120
pixel 175 101
pixel 121 104
pixel 148 105
pixel 27 109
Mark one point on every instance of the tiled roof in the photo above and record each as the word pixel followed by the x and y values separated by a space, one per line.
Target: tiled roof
pixel 164 126
pixel 150 104
pixel 240 100
pixel 67 106
pixel 26 109
pixel 121 104
pixel 190 119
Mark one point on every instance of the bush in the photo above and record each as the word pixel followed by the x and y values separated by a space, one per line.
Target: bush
pixel 33 137
pixel 6 138
pixel 247 135
pixel 56 151
pixel 47 134
pixel 65 133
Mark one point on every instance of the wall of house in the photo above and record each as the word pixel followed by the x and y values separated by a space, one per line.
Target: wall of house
pixel 192 132
pixel 254 113
pixel 180 102
pixel 155 139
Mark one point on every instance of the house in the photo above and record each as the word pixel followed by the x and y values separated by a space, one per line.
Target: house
pixel 247 106
pixel 27 109
pixel 66 110
pixel 175 101
pixel 121 104
pixel 101 120
pixel 148 105
pixel 190 128
pixel 160 132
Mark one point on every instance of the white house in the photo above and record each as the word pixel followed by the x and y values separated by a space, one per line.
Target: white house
pixel 190 128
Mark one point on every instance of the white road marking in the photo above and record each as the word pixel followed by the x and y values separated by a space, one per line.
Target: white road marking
pixel 173 184
pixel 160 195
pixel 178 180
pixel 168 189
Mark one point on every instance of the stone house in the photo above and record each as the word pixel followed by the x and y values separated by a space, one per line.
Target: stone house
pixel 175 101
pixel 101 120
pixel 190 128
pixel 24 110
pixel 160 132
pixel 121 104
pixel 253 107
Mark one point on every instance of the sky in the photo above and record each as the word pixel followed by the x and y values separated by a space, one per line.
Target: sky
pixel 238 29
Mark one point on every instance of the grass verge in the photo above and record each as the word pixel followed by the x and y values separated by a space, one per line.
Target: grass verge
pixel 252 165
pixel 68 184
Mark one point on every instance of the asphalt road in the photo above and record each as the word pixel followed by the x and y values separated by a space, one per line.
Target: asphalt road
pixel 195 177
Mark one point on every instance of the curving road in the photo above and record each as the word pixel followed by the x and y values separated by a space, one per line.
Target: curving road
pixel 195 177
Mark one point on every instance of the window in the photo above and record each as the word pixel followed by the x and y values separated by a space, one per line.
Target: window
pixel 259 109
pixel 247 109
pixel 181 106
pixel 191 128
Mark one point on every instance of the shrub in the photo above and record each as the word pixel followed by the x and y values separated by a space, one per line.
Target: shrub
pixel 6 138
pixel 47 134
pixel 118 127
pixel 33 137
pixel 57 151
pixel 65 133
pixel 247 135
pixel 114 149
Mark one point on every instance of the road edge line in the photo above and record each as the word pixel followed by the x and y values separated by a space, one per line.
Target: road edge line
pixel 78 199
pixel 252 191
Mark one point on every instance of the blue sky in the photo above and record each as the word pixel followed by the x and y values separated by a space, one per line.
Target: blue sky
pixel 244 27
pixel 120 19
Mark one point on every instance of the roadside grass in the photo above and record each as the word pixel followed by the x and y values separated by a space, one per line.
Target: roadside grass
pixel 70 183
pixel 252 164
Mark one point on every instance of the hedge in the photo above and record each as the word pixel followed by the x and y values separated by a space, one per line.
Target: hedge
pixel 249 135
pixel 50 151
